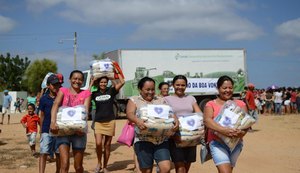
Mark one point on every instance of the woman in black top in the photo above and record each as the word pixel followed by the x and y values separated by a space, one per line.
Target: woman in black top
pixel 104 127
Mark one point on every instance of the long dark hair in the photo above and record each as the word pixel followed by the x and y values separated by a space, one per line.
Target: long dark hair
pixel 98 81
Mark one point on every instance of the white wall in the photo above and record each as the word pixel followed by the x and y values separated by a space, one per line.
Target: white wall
pixel 14 95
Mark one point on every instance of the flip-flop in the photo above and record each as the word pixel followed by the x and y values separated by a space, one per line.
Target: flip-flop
pixel 35 154
pixel 98 170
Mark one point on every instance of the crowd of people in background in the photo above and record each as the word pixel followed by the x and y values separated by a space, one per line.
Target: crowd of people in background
pixel 276 101
pixel 270 101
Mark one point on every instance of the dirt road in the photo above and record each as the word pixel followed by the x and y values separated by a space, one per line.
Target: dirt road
pixel 272 147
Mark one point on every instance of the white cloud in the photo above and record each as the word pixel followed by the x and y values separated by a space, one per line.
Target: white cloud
pixel 160 19
pixel 40 5
pixel 289 28
pixel 289 38
pixel 7 24
pixel 228 28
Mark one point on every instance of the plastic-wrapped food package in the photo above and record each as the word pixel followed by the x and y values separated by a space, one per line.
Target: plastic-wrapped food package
pixel 71 120
pixel 191 130
pixel 159 122
pixel 44 83
pixel 100 68
pixel 233 116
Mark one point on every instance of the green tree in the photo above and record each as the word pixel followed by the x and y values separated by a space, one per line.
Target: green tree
pixel 12 70
pixel 36 72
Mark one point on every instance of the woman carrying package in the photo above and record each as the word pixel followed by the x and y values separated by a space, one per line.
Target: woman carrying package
pixel 182 104
pixel 224 157
pixel 104 127
pixel 71 97
pixel 146 151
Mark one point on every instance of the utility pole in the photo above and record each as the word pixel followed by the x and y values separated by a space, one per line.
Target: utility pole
pixel 75 50
pixel 74 46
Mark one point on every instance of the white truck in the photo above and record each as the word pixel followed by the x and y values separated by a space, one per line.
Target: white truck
pixel 202 67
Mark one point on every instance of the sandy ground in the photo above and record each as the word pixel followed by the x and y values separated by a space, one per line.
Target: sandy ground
pixel 272 147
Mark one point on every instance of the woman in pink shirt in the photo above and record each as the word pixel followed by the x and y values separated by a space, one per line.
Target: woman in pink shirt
pixel 71 97
pixel 223 157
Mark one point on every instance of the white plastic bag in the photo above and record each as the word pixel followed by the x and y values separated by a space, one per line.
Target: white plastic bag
pixel 71 120
pixel 191 130
pixel 100 68
pixel 231 115
pixel 159 122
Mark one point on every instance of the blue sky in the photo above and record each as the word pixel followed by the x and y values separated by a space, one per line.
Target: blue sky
pixel 268 30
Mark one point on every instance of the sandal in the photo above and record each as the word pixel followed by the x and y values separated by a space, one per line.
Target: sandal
pixel 35 154
pixel 98 170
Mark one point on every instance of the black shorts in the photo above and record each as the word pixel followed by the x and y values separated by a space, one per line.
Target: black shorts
pixel 185 154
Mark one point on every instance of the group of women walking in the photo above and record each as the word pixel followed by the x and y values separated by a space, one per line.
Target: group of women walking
pixel 146 152
pixel 182 104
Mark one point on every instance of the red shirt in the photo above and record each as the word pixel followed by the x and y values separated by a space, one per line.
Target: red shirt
pixel 31 121
pixel 293 97
pixel 217 108
pixel 250 100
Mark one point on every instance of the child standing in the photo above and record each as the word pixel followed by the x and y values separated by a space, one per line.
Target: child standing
pixel 18 105
pixel 47 142
pixel 30 122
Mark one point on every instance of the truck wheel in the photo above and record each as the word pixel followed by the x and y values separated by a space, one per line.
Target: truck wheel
pixel 203 103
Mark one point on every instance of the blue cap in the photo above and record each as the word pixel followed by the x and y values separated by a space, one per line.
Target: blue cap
pixel 6 91
pixel 52 79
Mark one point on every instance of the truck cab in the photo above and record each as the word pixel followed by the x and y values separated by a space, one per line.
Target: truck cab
pixel 87 78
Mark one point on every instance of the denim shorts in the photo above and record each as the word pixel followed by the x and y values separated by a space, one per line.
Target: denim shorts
pixel 147 152
pixel 31 137
pixel 221 153
pixel 47 144
pixel 78 142
pixel 269 104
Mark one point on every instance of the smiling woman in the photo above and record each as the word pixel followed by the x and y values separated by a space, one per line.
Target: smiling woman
pixel 104 120
pixel 71 97
pixel 182 104
pixel 146 151
pixel 223 157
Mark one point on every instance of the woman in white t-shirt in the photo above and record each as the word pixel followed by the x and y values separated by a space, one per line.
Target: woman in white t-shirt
pixel 277 101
